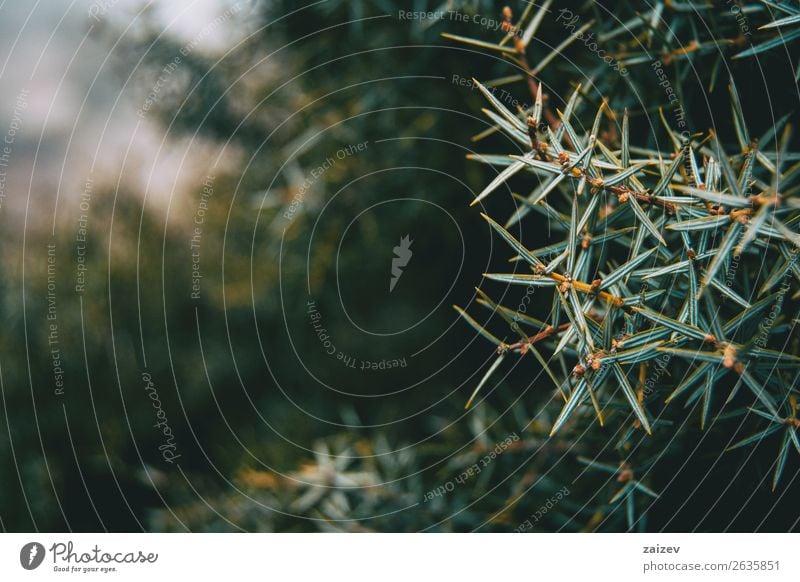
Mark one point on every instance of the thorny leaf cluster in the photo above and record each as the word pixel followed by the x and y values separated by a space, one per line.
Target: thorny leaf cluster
pixel 670 270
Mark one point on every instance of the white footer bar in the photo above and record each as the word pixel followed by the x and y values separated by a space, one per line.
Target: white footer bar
pixel 406 557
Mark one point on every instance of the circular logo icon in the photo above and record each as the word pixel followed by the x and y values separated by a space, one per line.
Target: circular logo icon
pixel 31 555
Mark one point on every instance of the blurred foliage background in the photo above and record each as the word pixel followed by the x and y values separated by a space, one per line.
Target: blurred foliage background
pixel 273 432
